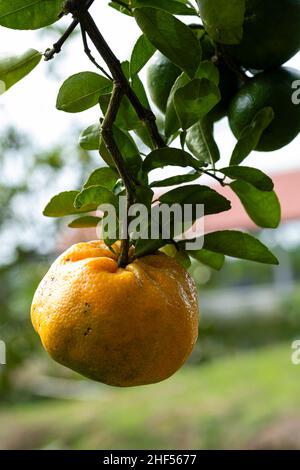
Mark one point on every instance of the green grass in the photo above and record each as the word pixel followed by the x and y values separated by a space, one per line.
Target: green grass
pixel 223 404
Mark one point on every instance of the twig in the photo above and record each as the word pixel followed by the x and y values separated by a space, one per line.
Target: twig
pixel 89 54
pixel 56 48
pixel 215 177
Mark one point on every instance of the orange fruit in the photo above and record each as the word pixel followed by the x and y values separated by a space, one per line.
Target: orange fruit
pixel 120 326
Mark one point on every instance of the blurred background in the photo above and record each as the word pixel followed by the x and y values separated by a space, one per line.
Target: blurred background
pixel 239 389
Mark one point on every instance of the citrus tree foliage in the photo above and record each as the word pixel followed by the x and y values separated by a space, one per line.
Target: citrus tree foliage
pixel 186 131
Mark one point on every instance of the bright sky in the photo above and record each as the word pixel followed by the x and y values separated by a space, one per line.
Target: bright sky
pixel 30 105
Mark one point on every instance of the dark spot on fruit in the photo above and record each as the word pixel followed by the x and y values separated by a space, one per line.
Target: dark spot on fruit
pixel 87 307
pixel 87 332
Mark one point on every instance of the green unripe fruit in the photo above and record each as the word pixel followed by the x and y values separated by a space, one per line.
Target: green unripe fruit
pixel 274 89
pixel 271 34
pixel 162 75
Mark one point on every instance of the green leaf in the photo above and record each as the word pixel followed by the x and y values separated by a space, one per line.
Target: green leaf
pixel 82 91
pixel 206 70
pixel 223 19
pixel 251 175
pixel 167 156
pixel 89 138
pixel 63 204
pixel 128 148
pixel 201 143
pixel 142 52
pixel 182 256
pixel 127 118
pixel 15 67
pixel 171 37
pixel 262 207
pixel 172 123
pixel 144 195
pixel 194 100
pixel 145 247
pixel 85 222
pixel 175 180
pixel 139 90
pixel 122 9
pixel 105 177
pixel 95 196
pixel 238 245
pixel 176 7
pixel 29 14
pixel 209 258
pixel 251 134
pixel 105 155
pixel 142 132
pixel 197 194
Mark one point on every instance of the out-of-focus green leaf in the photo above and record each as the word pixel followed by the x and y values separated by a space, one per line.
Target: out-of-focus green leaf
pixel 15 67
pixel 29 14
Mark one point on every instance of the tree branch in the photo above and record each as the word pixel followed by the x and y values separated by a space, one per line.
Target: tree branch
pixel 108 138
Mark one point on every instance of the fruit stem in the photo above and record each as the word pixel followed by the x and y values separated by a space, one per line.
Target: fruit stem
pixel 221 53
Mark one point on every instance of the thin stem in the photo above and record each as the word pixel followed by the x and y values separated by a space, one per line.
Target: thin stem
pixel 108 137
pixel 56 48
pixel 215 177
pixel 89 54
